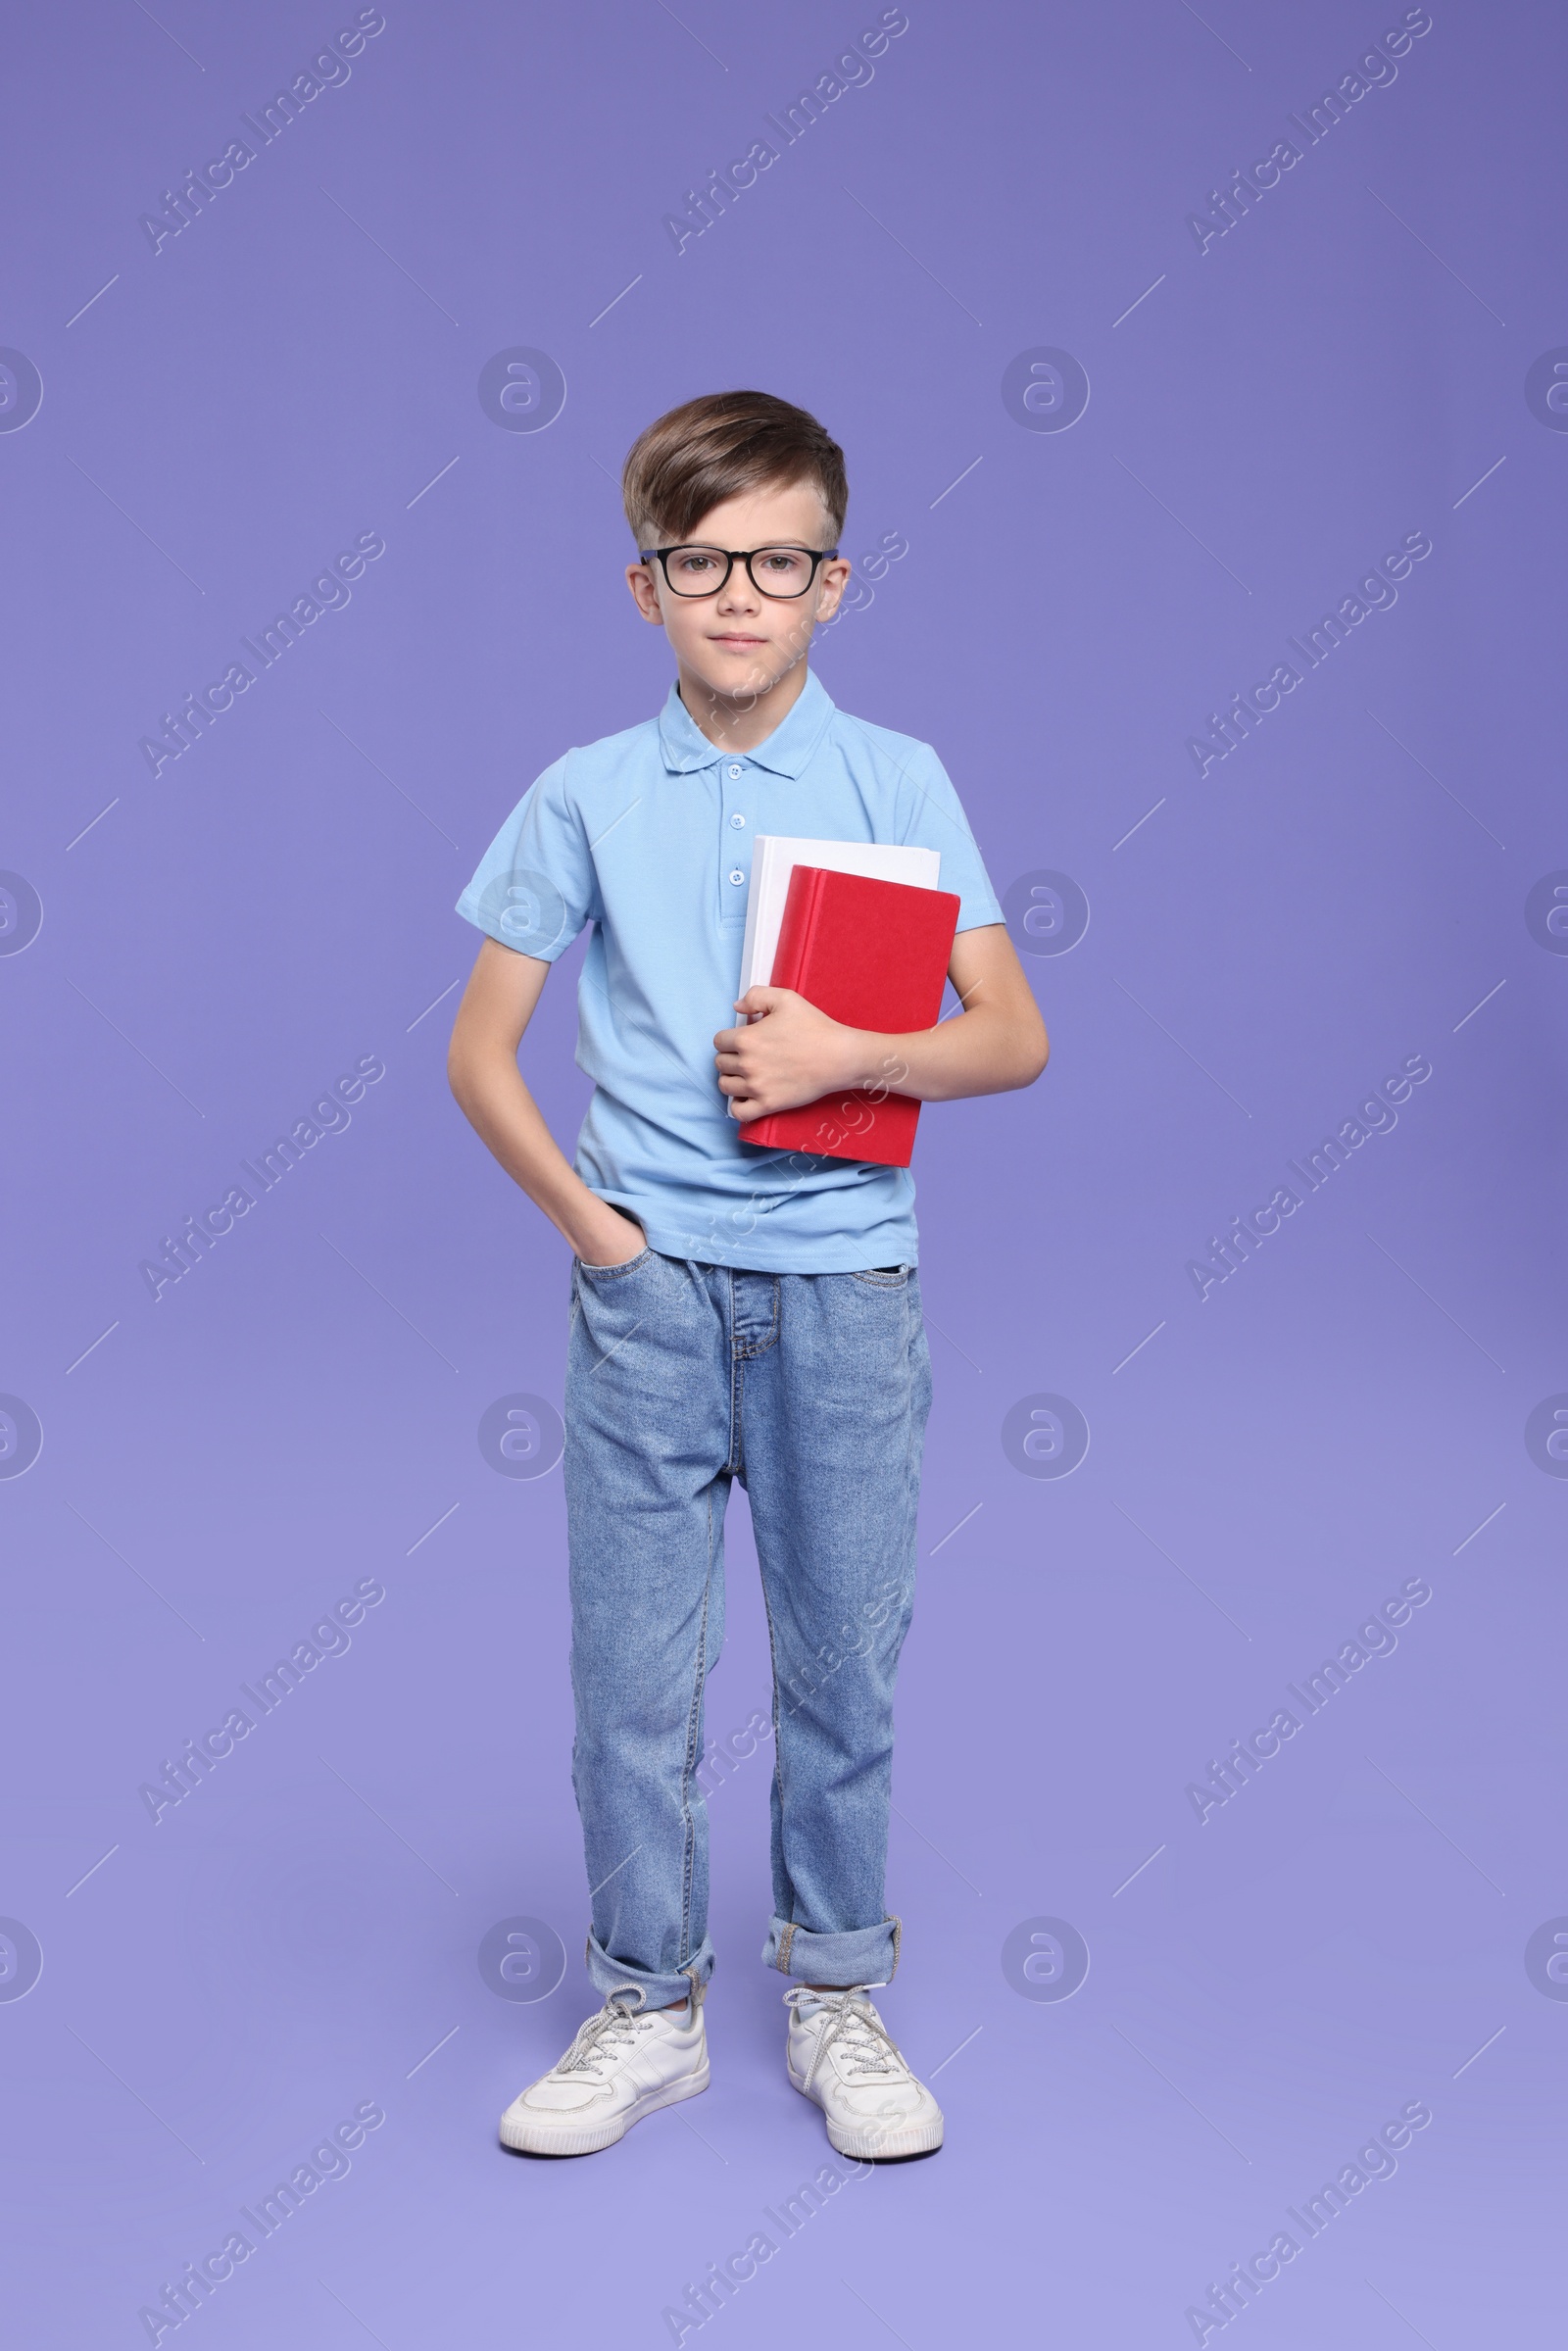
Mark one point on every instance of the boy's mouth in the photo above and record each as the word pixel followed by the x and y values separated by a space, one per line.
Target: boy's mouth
pixel 737 637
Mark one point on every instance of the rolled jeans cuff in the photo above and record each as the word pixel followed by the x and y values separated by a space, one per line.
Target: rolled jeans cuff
pixel 866 1955
pixel 608 1974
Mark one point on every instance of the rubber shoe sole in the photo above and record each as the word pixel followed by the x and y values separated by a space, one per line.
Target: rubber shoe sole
pixel 871 2143
pixel 531 2138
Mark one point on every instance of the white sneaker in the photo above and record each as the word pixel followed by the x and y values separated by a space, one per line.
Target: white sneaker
pixel 841 2055
pixel 624 2062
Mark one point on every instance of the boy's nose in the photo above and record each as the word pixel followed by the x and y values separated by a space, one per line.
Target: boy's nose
pixel 738 595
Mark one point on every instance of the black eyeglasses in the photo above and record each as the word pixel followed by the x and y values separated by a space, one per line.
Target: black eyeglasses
pixel 786 572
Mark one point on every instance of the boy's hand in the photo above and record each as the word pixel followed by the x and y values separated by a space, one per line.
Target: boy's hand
pixel 614 1239
pixel 789 1056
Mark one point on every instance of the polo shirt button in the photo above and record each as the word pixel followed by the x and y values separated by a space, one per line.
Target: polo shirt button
pixel 736 874
pixel 737 820
pixel 734 772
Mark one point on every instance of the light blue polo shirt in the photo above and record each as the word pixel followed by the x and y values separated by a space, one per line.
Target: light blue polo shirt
pixel 647 836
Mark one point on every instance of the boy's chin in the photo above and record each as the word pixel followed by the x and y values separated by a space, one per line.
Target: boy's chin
pixel 742 678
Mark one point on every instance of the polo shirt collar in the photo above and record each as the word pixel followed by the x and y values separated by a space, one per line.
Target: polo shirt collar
pixel 785 752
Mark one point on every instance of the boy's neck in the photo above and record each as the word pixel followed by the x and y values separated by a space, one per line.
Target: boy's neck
pixel 741 721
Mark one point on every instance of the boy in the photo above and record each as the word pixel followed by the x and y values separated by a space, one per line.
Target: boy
pixel 734 1313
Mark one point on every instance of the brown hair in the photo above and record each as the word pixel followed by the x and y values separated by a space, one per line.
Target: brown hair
pixel 709 449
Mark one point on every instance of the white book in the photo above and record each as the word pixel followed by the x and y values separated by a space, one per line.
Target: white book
pixel 775 857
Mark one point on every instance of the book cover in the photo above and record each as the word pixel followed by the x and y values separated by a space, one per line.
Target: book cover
pixel 872 954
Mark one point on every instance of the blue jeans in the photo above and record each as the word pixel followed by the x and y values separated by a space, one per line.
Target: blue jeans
pixel 813 1389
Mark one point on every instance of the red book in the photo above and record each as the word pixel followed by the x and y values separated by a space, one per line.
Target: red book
pixel 874 956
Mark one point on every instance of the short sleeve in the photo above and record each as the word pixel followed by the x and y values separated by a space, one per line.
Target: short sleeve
pixel 932 816
pixel 535 889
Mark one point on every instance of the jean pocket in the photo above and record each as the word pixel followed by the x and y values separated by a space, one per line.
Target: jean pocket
pixel 613 1273
pixel 895 1277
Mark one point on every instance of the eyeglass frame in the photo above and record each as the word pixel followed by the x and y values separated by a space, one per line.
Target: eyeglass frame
pixel 733 556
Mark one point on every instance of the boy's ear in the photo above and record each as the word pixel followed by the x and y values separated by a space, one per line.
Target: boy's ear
pixel 640 580
pixel 832 580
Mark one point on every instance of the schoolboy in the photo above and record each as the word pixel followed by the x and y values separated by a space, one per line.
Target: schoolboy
pixel 735 1313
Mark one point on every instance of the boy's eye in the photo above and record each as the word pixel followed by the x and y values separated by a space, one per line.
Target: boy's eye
pixel 695 562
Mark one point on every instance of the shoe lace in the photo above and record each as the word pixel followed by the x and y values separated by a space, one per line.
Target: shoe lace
pixel 603 2040
pixel 853 2025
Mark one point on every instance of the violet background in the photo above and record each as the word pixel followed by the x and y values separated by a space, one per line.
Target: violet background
pixel 302 1409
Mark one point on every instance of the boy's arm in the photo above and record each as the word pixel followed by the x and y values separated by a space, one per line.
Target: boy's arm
pixel 796 1053
pixel 497 1007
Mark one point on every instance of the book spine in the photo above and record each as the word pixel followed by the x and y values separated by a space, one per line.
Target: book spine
pixel 789 958
pixel 794 931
